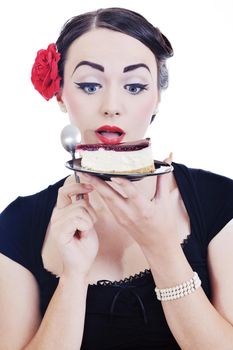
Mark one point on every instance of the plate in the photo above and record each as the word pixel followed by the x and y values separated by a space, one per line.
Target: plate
pixel 160 168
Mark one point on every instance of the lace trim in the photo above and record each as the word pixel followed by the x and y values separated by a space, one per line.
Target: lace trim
pixel 185 240
pixel 122 281
pixel 132 278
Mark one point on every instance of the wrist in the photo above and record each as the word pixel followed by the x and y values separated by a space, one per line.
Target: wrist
pixel 168 265
pixel 180 290
pixel 73 278
pixel 162 252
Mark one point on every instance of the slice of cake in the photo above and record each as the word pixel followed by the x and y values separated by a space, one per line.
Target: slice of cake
pixel 122 158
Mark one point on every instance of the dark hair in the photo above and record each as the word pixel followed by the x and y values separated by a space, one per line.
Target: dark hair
pixel 120 20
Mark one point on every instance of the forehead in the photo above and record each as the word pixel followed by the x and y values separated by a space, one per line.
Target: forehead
pixel 109 48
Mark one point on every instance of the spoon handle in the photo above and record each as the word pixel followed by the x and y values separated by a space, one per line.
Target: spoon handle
pixel 77 179
pixel 79 196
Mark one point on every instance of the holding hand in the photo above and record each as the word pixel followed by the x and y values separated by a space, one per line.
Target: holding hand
pixel 71 243
pixel 149 222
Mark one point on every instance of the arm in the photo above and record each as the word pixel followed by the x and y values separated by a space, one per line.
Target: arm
pixel 193 320
pixel 220 268
pixel 62 325
pixel 20 322
pixel 19 305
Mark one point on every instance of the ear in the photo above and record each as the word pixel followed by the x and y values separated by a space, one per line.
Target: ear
pixel 159 97
pixel 60 102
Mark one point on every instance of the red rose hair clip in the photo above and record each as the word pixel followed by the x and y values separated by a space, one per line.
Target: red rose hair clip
pixel 45 76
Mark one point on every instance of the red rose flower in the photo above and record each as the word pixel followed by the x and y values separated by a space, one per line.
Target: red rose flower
pixel 45 77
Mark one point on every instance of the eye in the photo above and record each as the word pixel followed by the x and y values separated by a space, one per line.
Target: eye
pixel 89 88
pixel 135 89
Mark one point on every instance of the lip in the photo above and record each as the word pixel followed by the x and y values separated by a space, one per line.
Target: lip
pixel 108 128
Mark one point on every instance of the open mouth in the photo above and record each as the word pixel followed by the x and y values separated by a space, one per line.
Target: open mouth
pixel 110 134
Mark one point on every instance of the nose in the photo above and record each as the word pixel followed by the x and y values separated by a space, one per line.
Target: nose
pixel 111 106
pixel 111 113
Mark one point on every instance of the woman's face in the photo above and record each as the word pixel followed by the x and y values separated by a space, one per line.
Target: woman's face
pixel 110 80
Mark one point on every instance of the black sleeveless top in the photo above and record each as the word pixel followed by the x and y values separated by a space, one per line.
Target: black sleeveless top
pixel 122 314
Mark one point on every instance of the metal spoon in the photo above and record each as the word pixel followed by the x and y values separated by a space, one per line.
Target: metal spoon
pixel 70 137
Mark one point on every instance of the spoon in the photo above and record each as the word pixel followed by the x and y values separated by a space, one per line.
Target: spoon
pixel 70 137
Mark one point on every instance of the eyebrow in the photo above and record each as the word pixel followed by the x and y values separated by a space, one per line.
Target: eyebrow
pixel 101 68
pixel 91 64
pixel 135 66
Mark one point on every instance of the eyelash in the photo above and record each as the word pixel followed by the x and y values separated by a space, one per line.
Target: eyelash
pixel 86 86
pixel 137 86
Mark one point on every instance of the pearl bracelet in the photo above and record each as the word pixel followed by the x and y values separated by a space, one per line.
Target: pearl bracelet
pixel 179 291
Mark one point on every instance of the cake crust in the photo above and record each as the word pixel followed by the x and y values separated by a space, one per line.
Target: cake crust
pixel 145 170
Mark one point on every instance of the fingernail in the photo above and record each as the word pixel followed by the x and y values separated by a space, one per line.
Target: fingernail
pixel 116 180
pixel 88 187
pixel 171 155
pixel 86 176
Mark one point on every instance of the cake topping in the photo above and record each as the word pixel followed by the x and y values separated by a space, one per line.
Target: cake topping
pixel 120 147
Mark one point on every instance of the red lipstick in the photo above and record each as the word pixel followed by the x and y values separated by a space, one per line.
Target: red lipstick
pixel 110 134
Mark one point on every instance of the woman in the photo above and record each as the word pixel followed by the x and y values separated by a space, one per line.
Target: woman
pixel 173 232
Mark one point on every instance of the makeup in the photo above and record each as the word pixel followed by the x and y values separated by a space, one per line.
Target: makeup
pixel 110 134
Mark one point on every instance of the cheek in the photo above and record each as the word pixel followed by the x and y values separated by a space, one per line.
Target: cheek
pixel 146 108
pixel 142 114
pixel 79 116
pixel 74 105
pixel 153 101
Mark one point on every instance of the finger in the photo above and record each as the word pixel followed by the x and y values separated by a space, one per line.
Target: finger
pixel 128 187
pixel 68 228
pixel 91 212
pixel 86 212
pixel 120 206
pixel 162 186
pixel 73 210
pixel 71 222
pixel 86 233
pixel 83 225
pixel 66 192
pixel 169 158
pixel 116 203
pixel 103 188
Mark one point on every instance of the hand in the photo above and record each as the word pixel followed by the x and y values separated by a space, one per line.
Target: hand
pixel 149 222
pixel 71 243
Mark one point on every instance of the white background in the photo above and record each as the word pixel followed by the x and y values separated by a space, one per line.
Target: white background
pixel 195 115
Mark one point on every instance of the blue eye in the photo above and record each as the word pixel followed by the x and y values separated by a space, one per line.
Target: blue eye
pixel 135 89
pixel 89 88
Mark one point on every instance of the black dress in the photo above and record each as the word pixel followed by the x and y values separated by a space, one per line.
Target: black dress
pixel 122 314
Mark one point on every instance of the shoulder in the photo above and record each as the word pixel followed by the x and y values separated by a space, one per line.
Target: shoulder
pixel 213 194
pixel 205 182
pixel 26 210
pixel 27 203
pixel 23 224
pixel 203 177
